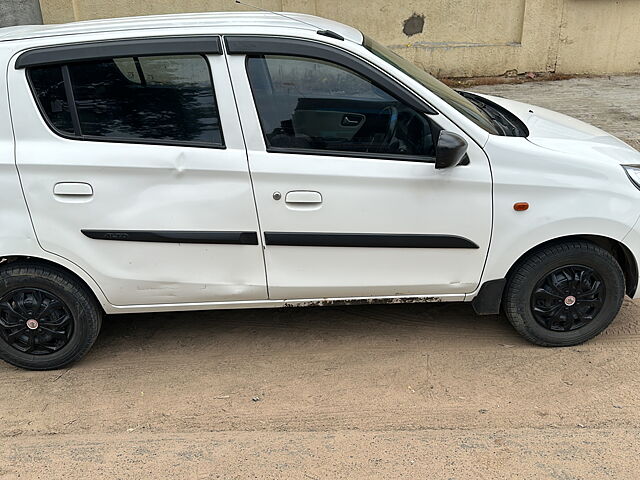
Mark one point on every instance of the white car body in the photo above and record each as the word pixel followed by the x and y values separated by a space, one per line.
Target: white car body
pixel 52 187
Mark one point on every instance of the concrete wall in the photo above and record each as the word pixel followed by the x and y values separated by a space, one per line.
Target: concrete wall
pixel 447 37
pixel 19 12
pixel 605 41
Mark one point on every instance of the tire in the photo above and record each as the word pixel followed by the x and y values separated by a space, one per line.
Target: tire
pixel 48 319
pixel 564 294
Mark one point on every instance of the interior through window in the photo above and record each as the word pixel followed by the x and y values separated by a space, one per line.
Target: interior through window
pixel 311 104
pixel 163 98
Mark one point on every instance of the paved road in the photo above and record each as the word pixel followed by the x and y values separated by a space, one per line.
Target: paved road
pixel 392 391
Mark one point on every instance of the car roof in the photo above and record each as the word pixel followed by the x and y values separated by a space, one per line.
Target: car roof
pixel 258 20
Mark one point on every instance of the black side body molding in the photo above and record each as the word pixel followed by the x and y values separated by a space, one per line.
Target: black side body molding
pixel 162 236
pixel 371 240
pixel 138 47
pixel 489 298
pixel 261 45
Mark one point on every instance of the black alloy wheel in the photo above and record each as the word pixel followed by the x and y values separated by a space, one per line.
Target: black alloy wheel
pixel 564 294
pixel 48 317
pixel 35 321
pixel 568 298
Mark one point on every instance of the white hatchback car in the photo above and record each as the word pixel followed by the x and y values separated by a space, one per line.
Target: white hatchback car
pixel 246 160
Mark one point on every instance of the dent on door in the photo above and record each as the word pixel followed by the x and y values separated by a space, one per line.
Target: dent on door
pixel 167 220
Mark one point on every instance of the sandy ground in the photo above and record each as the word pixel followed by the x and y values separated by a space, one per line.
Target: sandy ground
pixel 394 391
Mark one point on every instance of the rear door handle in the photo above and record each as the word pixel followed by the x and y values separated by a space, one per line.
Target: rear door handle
pixel 73 188
pixel 303 196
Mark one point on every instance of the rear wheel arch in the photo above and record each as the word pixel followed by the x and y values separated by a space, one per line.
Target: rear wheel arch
pixel 50 318
pixel 29 261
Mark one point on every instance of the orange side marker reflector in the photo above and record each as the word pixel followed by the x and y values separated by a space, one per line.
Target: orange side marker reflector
pixel 520 206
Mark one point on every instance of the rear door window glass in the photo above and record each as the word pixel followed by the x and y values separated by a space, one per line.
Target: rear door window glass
pixel 161 99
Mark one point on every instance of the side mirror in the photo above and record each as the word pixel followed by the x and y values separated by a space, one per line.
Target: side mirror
pixel 451 150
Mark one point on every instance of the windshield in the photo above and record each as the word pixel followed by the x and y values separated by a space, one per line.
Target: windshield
pixel 457 101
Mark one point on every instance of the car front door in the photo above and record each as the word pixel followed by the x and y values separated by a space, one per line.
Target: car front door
pixel 133 166
pixel 342 161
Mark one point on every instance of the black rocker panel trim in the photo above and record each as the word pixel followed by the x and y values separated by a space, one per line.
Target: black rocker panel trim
pixel 138 47
pixel 372 240
pixel 170 236
pixel 261 45
pixel 489 298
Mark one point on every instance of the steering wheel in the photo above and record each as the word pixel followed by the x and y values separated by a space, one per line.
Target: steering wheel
pixel 391 128
pixel 393 123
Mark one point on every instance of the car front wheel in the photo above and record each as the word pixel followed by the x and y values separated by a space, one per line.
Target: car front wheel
pixel 48 319
pixel 564 294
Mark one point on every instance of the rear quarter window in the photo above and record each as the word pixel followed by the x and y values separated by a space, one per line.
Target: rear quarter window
pixel 48 85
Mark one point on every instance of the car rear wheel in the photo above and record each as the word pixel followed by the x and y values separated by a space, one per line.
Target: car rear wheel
pixel 564 294
pixel 48 319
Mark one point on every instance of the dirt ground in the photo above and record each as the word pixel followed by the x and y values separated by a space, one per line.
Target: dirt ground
pixel 370 392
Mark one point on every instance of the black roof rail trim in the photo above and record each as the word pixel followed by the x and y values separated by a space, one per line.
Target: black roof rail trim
pixel 196 44
pixel 330 34
pixel 265 45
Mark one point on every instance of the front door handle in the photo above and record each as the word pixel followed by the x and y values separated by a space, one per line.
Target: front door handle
pixel 351 120
pixel 73 188
pixel 303 196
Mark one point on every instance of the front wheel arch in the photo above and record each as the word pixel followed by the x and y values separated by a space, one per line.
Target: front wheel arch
pixel 564 294
pixel 617 249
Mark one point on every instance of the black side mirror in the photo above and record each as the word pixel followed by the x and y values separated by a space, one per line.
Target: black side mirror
pixel 451 150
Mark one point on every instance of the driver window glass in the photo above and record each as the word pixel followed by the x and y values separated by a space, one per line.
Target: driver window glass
pixel 310 104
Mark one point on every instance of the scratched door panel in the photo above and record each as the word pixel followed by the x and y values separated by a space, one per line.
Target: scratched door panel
pixel 148 188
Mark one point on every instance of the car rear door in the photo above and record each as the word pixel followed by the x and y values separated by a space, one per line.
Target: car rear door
pixel 342 162
pixel 133 166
